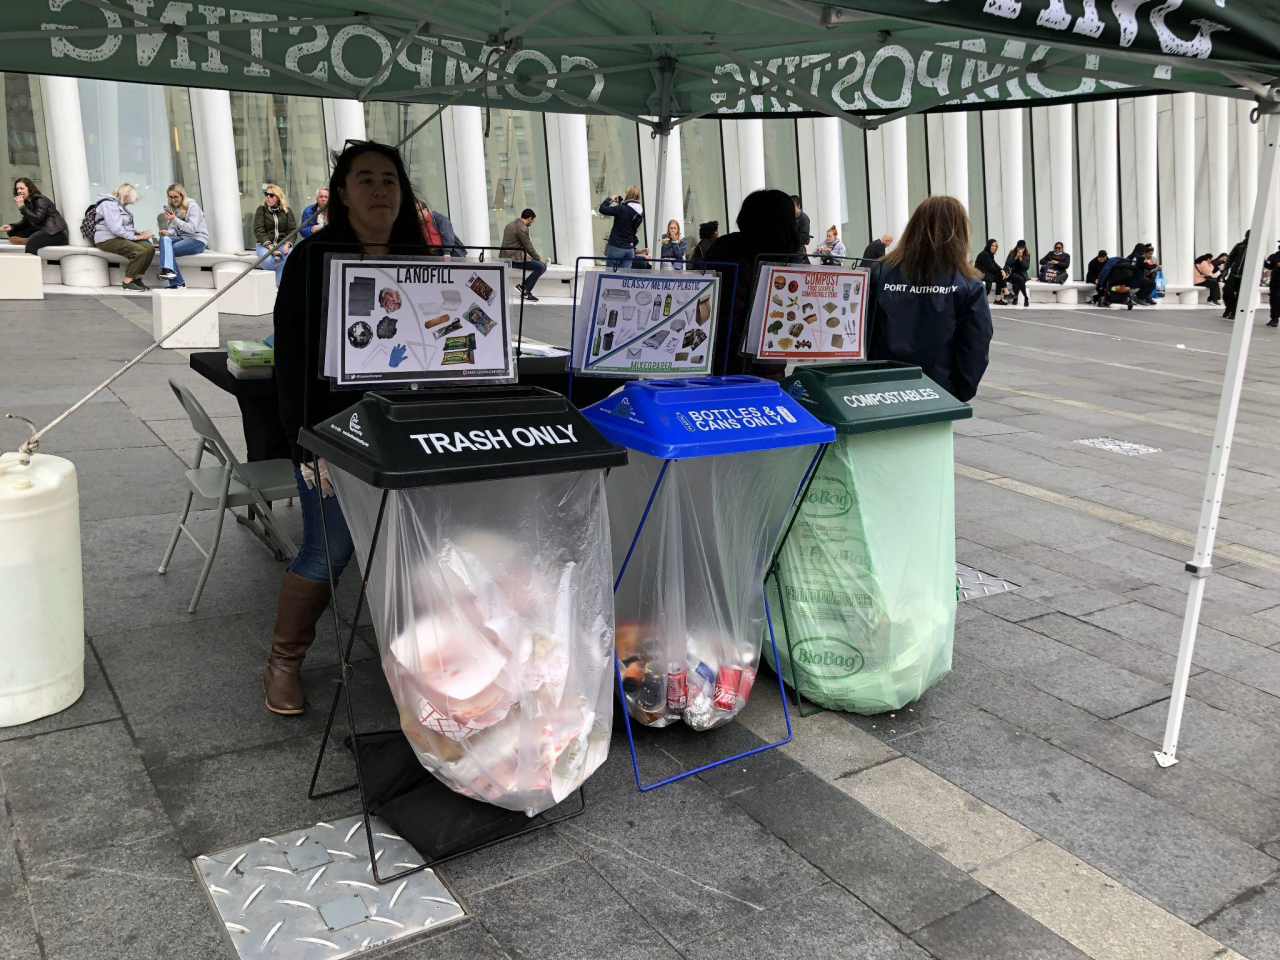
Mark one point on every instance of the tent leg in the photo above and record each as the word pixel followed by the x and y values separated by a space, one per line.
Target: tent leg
pixel 1201 562
pixel 659 228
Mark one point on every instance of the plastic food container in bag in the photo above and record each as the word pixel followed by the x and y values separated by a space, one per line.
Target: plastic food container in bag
pixel 716 463
pixel 491 582
pixel 864 596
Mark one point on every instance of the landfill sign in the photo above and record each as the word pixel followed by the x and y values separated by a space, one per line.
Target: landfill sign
pixel 417 320
pixel 648 324
pixel 807 312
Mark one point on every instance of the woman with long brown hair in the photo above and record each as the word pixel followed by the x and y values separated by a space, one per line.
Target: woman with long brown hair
pixel 931 308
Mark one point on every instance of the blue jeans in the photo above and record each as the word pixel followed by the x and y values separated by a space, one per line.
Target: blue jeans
pixel 619 256
pixel 171 249
pixel 532 269
pixel 271 263
pixel 310 561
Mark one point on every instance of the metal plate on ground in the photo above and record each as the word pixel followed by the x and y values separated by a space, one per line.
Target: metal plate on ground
pixel 1119 446
pixel 972 583
pixel 310 893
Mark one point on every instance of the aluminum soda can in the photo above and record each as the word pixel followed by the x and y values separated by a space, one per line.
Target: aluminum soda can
pixel 728 679
pixel 677 689
pixel 748 681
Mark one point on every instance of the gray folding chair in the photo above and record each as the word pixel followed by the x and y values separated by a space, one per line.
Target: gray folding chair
pixel 229 485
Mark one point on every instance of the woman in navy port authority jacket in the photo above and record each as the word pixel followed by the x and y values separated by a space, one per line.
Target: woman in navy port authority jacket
pixel 931 307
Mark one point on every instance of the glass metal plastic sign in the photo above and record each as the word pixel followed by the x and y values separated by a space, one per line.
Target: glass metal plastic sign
pixel 805 312
pixel 647 323
pixel 417 320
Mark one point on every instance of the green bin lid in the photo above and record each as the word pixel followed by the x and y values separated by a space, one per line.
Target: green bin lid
pixel 872 395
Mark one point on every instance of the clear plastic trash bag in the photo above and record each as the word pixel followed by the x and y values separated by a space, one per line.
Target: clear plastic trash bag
pixel 868 573
pixel 690 605
pixel 493 607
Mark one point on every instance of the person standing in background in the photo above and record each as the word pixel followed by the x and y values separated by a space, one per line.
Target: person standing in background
pixel 321 210
pixel 802 225
pixel 1273 288
pixel 1016 266
pixel 673 245
pixel 114 232
pixel 272 225
pixel 876 249
pixel 620 248
pixel 1231 272
pixel 931 310
pixel 184 235
pixel 41 224
pixel 518 248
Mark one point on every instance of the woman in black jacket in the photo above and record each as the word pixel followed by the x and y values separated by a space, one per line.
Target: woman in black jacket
pixel 1095 267
pixel 1016 266
pixel 992 275
pixel 371 210
pixel 42 225
pixel 1142 284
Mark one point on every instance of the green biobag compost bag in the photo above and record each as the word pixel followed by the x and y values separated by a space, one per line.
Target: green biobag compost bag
pixel 863 599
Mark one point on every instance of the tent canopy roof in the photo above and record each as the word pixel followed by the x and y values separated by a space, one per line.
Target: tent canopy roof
pixel 664 58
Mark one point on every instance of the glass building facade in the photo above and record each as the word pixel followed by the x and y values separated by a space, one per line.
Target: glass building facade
pixel 517 176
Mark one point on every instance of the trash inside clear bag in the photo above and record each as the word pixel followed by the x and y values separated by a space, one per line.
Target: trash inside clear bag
pixel 493 607
pixel 690 604
pixel 866 617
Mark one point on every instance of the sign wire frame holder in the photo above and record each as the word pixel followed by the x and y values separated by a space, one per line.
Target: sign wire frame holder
pixel 802 260
pixel 344 691
pixel 801 491
pixel 701 268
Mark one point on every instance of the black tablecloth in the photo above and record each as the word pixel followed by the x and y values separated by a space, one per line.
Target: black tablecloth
pixel 260 407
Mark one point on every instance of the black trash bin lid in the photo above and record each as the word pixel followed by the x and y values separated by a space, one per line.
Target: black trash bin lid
pixel 866 396
pixel 403 439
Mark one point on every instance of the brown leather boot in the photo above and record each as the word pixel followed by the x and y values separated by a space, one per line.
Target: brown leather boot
pixel 298 608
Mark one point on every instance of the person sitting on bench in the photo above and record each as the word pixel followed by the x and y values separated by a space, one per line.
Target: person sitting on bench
pixel 1053 266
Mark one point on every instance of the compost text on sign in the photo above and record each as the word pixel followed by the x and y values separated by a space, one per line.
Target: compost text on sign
pixel 809 312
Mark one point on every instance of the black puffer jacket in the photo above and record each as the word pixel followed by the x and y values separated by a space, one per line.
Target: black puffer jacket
pixel 986 262
pixel 40 214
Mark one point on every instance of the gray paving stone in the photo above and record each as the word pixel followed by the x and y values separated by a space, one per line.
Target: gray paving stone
pixel 691 749
pixel 465 940
pixel 95 705
pixel 1100 819
pixel 1130 655
pixel 234 798
pixel 133 901
pixel 737 871
pixel 11 879
pixel 1220 614
pixel 1011 606
pixel 324 652
pixel 95 426
pixel 134 482
pixel 179 436
pixel 993 929
pixel 508 861
pixel 827 922
pixel 1013 647
pixel 77 790
pixel 1236 697
pixel 1102 688
pixel 18 938
pixel 1216 739
pixel 863 853
pixel 568 913
pixel 938 705
pixel 1251 925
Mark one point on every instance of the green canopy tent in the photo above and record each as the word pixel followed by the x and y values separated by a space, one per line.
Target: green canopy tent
pixel 664 62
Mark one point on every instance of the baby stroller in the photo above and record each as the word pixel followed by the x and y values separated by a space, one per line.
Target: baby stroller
pixel 1112 285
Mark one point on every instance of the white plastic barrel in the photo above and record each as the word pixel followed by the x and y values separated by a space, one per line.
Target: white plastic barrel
pixel 41 589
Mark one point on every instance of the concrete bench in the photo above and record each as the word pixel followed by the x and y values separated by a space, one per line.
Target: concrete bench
pixel 76 266
pixel 252 296
pixel 20 277
pixel 171 307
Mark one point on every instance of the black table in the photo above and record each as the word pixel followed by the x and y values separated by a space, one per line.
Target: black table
pixel 259 406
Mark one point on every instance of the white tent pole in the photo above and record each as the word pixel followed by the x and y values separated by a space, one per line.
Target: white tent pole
pixel 1200 565
pixel 655 229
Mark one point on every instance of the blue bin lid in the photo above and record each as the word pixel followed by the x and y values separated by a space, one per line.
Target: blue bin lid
pixel 705 416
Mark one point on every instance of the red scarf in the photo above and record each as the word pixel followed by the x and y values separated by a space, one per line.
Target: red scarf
pixel 429 231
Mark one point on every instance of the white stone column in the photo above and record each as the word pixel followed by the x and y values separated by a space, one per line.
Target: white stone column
pixel 1062 176
pixel 825 207
pixel 219 176
pixel 471 215
pixel 1219 176
pixel 894 144
pixel 1246 168
pixel 1013 190
pixel 955 147
pixel 750 156
pixel 570 185
pixel 348 122
pixel 69 168
pixel 1144 117
pixel 1177 262
pixel 1106 169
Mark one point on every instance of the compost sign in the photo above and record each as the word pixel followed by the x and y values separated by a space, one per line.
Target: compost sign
pixel 802 312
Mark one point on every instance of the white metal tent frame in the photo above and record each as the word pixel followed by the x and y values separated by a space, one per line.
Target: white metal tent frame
pixel 408 24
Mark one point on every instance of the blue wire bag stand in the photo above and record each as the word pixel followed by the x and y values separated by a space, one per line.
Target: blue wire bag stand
pixel 659 418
